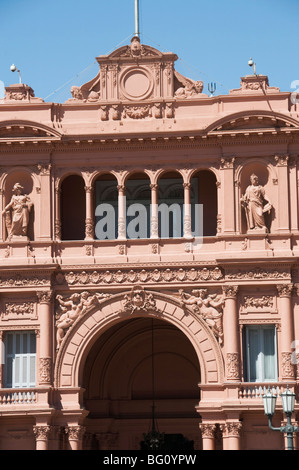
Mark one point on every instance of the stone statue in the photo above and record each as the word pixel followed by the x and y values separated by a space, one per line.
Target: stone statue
pixel 209 306
pixel 187 88
pixel 20 206
pixel 256 203
pixel 72 308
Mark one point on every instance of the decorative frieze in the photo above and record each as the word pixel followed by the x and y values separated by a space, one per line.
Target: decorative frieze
pixel 19 310
pixel 258 304
pixel 150 276
pixel 257 273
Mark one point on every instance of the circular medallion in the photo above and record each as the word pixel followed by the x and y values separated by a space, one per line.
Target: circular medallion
pixel 136 83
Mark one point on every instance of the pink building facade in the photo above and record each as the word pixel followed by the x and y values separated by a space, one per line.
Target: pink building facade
pixel 102 309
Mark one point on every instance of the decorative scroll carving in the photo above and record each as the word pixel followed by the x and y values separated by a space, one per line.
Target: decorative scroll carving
pixel 19 310
pixel 138 300
pixel 256 273
pixel 45 370
pixel 251 303
pixel 136 112
pixel 209 307
pixel 72 308
pixel 288 369
pixel 233 365
pixel 17 280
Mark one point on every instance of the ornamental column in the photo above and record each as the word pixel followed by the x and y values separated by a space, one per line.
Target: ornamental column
pixel 46 337
pixel 75 436
pixel 283 192
pixel 231 435
pixel 57 223
pixel 187 211
pixel 231 333
pixel 41 437
pixel 287 331
pixel 154 211
pixel 208 435
pixel 121 212
pixel 89 220
pixel 227 196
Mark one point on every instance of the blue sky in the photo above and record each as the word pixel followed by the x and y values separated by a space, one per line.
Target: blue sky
pixel 55 42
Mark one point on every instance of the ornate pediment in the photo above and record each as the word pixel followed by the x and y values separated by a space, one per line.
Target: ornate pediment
pixel 26 130
pixel 253 122
pixel 133 81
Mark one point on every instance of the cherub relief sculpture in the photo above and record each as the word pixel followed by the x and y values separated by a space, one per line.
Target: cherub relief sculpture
pixel 187 88
pixel 138 300
pixel 72 308
pixel 17 213
pixel 256 203
pixel 208 306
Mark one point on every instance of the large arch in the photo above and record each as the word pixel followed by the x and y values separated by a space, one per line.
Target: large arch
pixel 80 338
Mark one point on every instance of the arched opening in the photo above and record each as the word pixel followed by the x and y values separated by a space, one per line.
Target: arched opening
pixel 127 366
pixel 138 200
pixel 106 207
pixel 171 205
pixel 204 189
pixel 73 208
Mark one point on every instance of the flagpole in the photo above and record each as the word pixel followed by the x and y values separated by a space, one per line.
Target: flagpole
pixel 137 33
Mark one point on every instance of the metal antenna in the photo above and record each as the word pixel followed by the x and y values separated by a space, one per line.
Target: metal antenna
pixel 137 32
pixel 212 89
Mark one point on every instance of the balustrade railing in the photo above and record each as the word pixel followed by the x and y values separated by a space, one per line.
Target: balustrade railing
pixel 257 390
pixel 24 396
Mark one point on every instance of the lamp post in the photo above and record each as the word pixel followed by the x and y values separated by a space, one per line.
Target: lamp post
pixel 288 405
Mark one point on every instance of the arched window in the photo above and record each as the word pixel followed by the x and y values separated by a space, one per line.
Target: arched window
pixel 73 208
pixel 205 188
pixel 106 207
pixel 138 200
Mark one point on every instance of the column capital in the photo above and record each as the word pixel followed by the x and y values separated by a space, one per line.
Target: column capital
pixel 41 432
pixel 230 292
pixel 207 429
pixel 232 429
pixel 45 296
pixel 285 290
pixel 75 432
